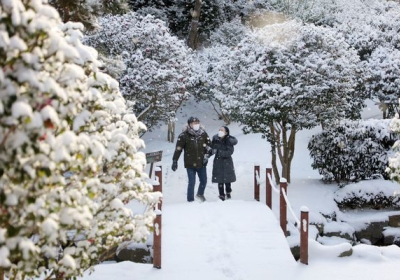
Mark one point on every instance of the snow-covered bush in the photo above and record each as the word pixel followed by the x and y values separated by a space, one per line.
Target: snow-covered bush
pixel 375 194
pixel 352 150
pixel 394 159
pixel 157 64
pixel 69 150
pixel 229 33
pixel 383 76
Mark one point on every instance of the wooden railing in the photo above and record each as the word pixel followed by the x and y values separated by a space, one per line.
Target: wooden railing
pixel 157 187
pixel 284 205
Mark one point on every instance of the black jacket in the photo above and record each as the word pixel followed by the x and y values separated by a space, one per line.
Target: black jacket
pixel 223 169
pixel 194 144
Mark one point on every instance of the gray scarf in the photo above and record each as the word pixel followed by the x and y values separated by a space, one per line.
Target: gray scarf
pixel 194 132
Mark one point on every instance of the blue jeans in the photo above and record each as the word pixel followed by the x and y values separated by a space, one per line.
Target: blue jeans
pixel 202 173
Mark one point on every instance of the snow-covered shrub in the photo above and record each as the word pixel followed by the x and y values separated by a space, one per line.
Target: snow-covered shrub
pixel 383 71
pixel 229 33
pixel 157 64
pixel 375 194
pixel 394 160
pixel 352 150
pixel 69 150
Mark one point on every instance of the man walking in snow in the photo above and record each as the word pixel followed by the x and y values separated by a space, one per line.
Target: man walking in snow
pixel 195 143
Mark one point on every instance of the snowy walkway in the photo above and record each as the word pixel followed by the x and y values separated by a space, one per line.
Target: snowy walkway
pixel 235 240
pixel 214 242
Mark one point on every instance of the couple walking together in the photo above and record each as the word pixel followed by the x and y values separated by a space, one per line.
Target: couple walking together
pixel 198 148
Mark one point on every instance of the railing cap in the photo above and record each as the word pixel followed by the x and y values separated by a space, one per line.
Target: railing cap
pixel 283 180
pixel 304 209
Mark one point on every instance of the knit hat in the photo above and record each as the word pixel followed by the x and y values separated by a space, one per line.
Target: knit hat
pixel 193 119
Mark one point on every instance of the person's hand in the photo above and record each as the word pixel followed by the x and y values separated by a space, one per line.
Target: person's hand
pixel 205 161
pixel 174 165
pixel 208 150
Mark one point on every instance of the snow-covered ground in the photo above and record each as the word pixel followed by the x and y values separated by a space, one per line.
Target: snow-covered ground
pixel 202 237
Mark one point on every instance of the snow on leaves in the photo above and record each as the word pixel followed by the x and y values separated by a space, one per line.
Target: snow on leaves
pixel 69 150
pixel 157 64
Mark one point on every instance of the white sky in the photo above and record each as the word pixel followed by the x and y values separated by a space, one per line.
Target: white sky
pixel 240 239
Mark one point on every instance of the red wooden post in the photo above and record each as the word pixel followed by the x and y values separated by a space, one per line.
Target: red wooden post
pixel 268 191
pixel 157 241
pixel 304 235
pixel 158 188
pixel 256 184
pixel 157 221
pixel 283 206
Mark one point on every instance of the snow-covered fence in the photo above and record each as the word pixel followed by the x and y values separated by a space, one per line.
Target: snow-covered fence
pixel 157 187
pixel 284 205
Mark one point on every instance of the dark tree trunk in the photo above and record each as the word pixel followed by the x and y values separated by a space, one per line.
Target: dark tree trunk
pixel 171 131
pixel 194 26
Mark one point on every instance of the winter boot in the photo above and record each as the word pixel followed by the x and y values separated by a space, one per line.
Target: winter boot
pixel 201 197
pixel 222 197
pixel 228 196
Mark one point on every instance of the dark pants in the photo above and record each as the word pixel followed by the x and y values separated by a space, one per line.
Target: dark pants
pixel 202 173
pixel 221 188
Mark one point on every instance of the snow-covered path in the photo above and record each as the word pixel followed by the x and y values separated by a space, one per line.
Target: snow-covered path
pixel 235 240
pixel 210 237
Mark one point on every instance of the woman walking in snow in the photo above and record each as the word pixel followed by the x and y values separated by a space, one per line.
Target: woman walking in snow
pixel 223 171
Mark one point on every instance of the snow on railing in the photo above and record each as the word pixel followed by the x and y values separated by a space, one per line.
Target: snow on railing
pixel 272 184
pixel 289 206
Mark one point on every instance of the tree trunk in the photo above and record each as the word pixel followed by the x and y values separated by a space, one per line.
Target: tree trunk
pixel 274 148
pixel 290 152
pixel 1 274
pixel 274 166
pixel 193 33
pixel 283 145
pixel 220 112
pixel 171 131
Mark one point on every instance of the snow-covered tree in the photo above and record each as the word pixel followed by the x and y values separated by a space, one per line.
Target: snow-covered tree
pixel 383 79
pixel 211 81
pixel 367 26
pixel 69 150
pixel 292 77
pixel 157 64
pixel 87 11
pixel 213 13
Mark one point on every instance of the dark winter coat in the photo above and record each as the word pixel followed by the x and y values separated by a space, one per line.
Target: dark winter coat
pixel 223 169
pixel 194 144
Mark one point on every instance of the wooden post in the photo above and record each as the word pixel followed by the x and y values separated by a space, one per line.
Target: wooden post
pixel 283 206
pixel 157 241
pixel 304 235
pixel 1 274
pixel 157 221
pixel 158 188
pixel 268 191
pixel 152 158
pixel 151 169
pixel 256 184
